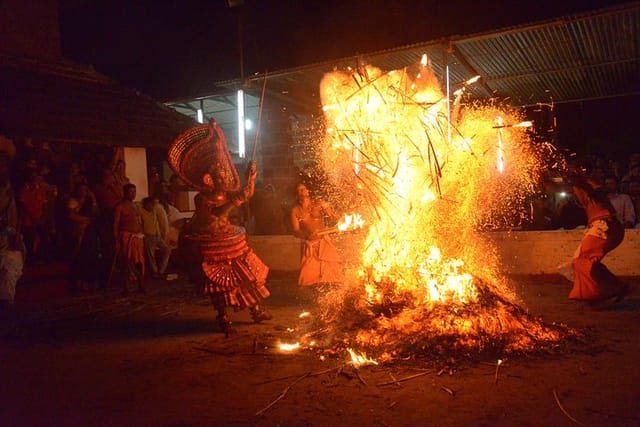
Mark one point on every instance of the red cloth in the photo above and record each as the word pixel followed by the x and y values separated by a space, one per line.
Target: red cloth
pixel 235 275
pixel 592 280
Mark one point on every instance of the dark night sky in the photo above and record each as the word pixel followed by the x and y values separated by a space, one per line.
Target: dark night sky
pixel 173 49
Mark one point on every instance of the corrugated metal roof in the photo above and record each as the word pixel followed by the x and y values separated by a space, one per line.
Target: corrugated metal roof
pixel 573 58
pixel 581 57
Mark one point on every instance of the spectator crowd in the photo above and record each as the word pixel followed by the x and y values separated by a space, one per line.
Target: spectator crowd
pixel 66 197
pixel 553 209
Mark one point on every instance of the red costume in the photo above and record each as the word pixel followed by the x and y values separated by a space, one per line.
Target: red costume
pixel 232 275
pixel 592 280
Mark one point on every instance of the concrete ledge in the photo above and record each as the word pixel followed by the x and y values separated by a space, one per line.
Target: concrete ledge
pixel 522 252
pixel 540 252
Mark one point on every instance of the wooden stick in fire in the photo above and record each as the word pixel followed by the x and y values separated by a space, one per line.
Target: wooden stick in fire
pixel 348 223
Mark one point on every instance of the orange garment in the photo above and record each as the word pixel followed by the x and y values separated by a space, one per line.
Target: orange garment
pixel 132 247
pixel 320 263
pixel 591 279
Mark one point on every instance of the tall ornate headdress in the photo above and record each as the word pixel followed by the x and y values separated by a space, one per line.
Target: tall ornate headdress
pixel 199 151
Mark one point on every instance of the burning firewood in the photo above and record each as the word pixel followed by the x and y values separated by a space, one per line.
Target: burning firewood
pixel 426 284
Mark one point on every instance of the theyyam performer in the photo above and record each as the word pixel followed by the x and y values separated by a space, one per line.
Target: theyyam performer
pixel 230 273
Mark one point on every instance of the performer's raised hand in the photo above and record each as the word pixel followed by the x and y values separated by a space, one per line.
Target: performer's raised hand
pixel 252 169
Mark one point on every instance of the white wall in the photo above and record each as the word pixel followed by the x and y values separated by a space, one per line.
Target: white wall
pixel 522 252
pixel 135 159
pixel 540 252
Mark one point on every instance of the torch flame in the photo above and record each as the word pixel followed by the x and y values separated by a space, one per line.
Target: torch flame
pixel 350 222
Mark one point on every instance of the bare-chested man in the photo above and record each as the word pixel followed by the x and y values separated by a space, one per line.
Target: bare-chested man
pixel 320 262
pixel 128 234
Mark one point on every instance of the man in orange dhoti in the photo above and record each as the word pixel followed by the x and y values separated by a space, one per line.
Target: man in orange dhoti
pixel 320 262
pixel 592 281
pixel 129 236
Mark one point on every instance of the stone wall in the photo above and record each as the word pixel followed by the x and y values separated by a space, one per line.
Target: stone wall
pixel 522 252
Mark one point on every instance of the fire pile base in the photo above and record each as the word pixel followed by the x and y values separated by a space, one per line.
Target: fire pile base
pixel 491 327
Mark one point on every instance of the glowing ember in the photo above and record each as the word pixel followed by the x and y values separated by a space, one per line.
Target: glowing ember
pixel 359 360
pixel 304 314
pixel 289 347
pixel 426 281
pixel 525 124
pixel 472 80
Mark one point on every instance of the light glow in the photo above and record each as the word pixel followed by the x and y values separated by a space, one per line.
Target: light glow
pixel 288 347
pixel 350 222
pixel 500 151
pixel 241 141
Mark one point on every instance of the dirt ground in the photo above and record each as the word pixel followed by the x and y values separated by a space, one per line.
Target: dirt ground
pixel 101 359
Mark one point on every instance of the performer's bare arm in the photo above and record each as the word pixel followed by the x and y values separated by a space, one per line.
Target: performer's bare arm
pixel 304 229
pixel 328 211
pixel 295 223
pixel 251 180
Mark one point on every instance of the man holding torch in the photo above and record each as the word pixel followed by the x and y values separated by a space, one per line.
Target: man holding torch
pixel 320 263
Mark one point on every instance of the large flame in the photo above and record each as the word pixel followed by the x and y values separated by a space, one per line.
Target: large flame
pixel 387 134
pixel 429 184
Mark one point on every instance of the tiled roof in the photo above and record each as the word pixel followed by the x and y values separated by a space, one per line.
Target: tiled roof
pixel 67 102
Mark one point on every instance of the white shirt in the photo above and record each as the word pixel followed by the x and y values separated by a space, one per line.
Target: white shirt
pixel 624 207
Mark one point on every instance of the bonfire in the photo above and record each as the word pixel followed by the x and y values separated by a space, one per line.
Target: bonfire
pixel 427 175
